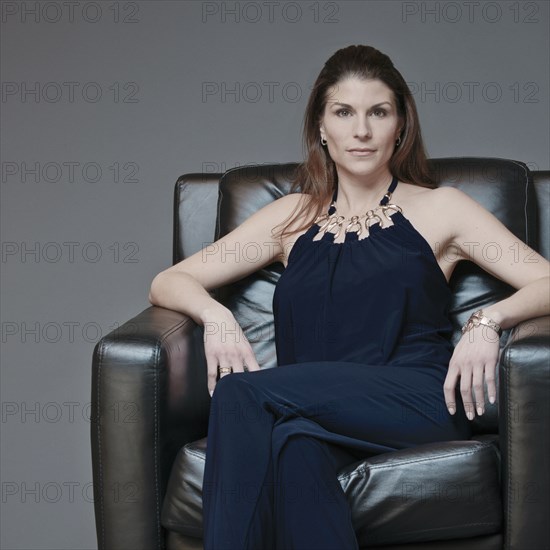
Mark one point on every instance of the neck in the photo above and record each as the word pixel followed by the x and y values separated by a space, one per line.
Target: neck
pixel 356 197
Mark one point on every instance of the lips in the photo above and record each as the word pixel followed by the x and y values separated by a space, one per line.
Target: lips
pixel 360 152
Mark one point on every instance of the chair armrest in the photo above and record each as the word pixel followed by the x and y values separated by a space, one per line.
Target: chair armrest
pixel 149 398
pixel 524 428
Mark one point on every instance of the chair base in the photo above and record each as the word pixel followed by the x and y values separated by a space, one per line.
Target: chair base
pixel 176 541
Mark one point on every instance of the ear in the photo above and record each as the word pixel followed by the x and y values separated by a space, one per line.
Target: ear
pixel 322 131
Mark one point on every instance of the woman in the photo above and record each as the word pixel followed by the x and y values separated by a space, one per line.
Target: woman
pixel 365 361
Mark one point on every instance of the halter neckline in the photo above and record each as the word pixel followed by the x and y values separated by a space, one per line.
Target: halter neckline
pixel 383 202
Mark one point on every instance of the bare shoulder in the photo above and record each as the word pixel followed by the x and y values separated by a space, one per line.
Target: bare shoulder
pixel 456 207
pixel 285 202
pixel 289 204
pixel 448 197
pixel 440 201
pixel 291 200
pixel 428 193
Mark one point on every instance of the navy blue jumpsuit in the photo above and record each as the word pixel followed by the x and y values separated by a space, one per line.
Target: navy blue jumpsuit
pixel 363 342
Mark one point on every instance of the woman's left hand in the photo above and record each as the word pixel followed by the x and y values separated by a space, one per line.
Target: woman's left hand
pixel 475 355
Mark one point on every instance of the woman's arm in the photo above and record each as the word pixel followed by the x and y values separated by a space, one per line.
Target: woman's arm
pixel 480 237
pixel 184 287
pixel 249 247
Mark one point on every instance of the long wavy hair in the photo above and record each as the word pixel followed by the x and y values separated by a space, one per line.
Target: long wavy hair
pixel 317 175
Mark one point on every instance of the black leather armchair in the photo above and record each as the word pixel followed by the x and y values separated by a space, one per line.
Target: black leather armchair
pixel 150 402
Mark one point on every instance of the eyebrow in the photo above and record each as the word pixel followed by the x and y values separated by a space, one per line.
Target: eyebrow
pixel 336 103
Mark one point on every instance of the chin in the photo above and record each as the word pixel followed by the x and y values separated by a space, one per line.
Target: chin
pixel 362 169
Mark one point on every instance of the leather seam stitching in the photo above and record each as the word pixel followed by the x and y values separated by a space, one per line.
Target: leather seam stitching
pixel 196 454
pixel 177 230
pixel 483 446
pixel 364 469
pixel 156 448
pixel 507 429
pixel 169 332
pixel 102 511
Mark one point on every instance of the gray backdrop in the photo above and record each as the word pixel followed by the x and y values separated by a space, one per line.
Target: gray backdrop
pixel 105 104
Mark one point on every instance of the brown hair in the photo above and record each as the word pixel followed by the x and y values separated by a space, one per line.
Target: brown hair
pixel 317 175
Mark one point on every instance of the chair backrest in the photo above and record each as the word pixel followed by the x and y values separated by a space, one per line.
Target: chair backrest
pixel 541 179
pixel 195 212
pixel 196 202
pixel 208 206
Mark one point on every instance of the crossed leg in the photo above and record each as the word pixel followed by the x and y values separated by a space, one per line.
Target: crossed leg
pixel 281 430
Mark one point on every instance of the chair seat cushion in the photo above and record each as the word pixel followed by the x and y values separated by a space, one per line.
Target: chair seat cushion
pixel 435 491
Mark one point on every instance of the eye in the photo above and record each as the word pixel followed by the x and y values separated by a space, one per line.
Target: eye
pixel 340 112
pixel 379 113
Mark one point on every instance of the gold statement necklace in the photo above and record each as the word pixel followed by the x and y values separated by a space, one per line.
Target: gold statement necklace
pixel 332 219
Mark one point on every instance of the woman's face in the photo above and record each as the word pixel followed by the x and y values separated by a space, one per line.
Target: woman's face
pixel 361 125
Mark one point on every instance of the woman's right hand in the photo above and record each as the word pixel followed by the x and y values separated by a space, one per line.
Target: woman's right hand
pixel 186 286
pixel 225 345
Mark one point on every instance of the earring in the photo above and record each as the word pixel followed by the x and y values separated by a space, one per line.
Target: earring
pixel 398 142
pixel 323 141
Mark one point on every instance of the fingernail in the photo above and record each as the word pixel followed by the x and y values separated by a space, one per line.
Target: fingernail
pixel 491 399
pixel 451 410
pixel 479 411
pixel 470 415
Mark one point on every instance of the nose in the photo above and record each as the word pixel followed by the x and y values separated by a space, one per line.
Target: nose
pixel 362 127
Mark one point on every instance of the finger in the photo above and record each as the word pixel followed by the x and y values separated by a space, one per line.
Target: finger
pixel 240 360
pixel 222 363
pixel 237 364
pixel 490 374
pixel 449 387
pixel 247 363
pixel 212 370
pixel 251 363
pixel 479 396
pixel 466 392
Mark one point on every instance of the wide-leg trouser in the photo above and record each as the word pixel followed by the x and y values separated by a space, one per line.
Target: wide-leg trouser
pixel 277 438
